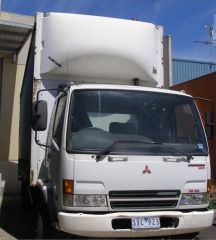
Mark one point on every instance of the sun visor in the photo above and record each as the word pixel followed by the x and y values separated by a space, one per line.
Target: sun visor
pixel 92 49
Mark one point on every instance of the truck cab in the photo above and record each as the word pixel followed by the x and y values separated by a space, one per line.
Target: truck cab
pixel 128 162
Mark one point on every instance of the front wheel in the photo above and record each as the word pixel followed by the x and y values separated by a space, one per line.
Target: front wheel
pixel 43 227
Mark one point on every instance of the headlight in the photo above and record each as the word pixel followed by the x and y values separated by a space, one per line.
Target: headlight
pixel 194 198
pixel 84 200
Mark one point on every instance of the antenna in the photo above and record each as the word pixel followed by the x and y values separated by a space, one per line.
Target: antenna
pixel 211 41
pixel 214 29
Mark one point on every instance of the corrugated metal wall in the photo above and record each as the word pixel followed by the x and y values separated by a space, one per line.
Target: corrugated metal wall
pixel 184 70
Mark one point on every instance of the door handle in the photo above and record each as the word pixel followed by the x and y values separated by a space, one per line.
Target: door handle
pixel 175 159
pixel 117 159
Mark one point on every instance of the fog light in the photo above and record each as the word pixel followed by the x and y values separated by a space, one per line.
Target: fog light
pixel 68 200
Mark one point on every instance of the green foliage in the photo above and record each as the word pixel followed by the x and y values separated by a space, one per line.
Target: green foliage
pixel 212 204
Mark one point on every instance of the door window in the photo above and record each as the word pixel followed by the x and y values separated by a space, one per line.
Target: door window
pixel 59 120
pixel 185 124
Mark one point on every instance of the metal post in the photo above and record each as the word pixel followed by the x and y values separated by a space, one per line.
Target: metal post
pixel 167 61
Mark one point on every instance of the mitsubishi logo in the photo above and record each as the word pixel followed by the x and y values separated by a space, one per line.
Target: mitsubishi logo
pixel 146 170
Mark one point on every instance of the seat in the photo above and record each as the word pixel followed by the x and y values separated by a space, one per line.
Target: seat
pixel 122 128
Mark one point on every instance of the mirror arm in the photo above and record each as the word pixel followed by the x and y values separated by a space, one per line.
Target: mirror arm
pixel 51 89
pixel 38 142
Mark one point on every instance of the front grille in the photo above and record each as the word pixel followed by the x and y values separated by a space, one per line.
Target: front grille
pixel 144 194
pixel 125 223
pixel 143 204
pixel 144 199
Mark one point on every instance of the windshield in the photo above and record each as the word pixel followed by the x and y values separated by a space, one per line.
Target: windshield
pixel 143 122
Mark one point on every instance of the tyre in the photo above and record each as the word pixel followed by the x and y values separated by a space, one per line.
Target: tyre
pixel 43 227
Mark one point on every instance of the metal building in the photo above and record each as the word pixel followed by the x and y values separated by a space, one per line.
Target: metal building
pixel 15 30
pixel 184 70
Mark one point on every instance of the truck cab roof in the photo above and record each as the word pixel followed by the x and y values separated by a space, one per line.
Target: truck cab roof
pixel 126 87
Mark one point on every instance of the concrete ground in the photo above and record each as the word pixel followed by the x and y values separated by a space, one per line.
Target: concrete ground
pixel 16 223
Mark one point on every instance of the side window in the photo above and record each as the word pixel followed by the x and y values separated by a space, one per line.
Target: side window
pixel 185 123
pixel 59 119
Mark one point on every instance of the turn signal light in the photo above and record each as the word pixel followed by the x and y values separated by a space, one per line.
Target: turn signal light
pixel 68 186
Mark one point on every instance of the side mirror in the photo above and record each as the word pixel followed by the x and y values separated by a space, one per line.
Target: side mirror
pixel 209 124
pixel 39 116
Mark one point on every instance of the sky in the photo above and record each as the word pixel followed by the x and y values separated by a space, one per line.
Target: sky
pixel 184 20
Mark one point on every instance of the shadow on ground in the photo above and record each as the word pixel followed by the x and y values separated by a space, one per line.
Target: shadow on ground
pixel 19 223
pixel 14 220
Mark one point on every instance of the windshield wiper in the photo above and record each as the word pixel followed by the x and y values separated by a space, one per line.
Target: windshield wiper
pixel 101 155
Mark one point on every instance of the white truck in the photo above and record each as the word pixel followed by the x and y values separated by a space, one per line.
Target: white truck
pixel 105 150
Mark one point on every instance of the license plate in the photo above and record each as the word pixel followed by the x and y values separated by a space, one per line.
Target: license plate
pixel 145 222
